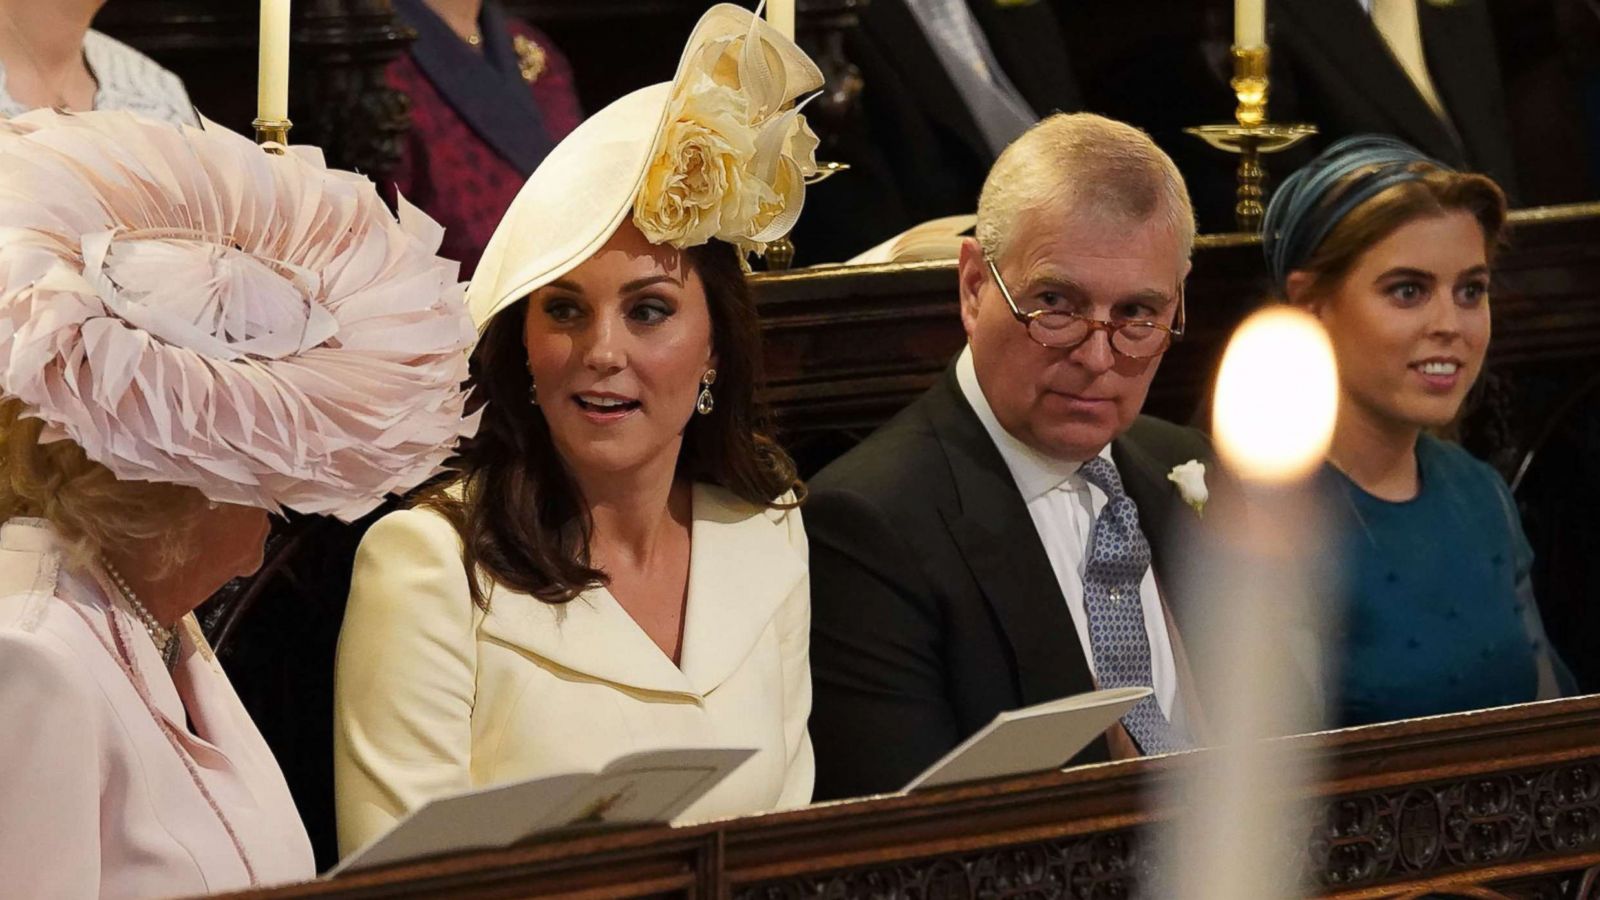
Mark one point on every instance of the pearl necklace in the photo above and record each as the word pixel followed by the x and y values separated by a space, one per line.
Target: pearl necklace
pixel 166 639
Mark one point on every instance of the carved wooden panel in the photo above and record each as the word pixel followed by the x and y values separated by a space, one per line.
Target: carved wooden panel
pixel 1099 867
pixel 1359 841
pixel 345 106
pixel 1457 825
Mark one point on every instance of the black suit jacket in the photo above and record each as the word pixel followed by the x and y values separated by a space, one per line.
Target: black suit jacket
pixel 934 607
pixel 914 149
pixel 1334 70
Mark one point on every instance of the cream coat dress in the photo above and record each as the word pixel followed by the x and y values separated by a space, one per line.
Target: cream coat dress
pixel 434 695
pixel 104 791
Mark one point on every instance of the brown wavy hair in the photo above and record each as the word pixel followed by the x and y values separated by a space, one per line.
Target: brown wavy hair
pixel 89 507
pixel 512 501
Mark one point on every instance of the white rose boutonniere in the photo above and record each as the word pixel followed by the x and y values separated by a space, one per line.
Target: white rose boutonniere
pixel 1191 481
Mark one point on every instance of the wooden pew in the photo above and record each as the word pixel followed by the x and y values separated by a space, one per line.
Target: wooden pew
pixel 1500 803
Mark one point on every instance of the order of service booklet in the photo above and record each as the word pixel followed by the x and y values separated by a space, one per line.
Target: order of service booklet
pixel 649 786
pixel 1031 739
pixel 934 239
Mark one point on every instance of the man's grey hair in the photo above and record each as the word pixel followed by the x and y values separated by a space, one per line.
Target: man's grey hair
pixel 1094 166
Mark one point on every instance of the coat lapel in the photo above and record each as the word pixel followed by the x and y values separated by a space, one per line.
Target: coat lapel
pixel 1000 545
pixel 1340 34
pixel 590 635
pixel 1146 482
pixel 487 91
pixel 741 569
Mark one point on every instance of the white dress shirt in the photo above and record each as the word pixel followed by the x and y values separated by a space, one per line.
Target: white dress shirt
pixel 1063 506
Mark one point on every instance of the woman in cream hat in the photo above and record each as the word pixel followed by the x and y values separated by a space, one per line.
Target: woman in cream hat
pixel 193 334
pixel 619 563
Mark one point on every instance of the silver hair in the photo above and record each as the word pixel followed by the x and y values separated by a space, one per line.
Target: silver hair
pixel 1097 167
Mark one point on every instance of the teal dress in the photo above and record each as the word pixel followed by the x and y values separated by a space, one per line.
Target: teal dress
pixel 1436 613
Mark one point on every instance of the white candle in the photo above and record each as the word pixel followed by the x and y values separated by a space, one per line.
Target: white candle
pixel 780 15
pixel 1249 23
pixel 272 73
pixel 1253 568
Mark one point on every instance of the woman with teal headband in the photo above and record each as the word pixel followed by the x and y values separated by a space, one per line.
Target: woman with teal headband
pixel 1392 251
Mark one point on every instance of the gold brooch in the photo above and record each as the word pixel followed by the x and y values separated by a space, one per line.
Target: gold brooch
pixel 530 58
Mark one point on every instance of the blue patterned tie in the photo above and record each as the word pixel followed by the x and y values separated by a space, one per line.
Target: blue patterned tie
pixel 1118 558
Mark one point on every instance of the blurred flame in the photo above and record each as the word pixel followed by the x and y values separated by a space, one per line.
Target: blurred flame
pixel 1277 396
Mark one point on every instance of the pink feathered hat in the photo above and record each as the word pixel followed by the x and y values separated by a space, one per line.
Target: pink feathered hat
pixel 191 310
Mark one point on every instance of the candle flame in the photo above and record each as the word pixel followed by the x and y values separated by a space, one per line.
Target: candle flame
pixel 1277 396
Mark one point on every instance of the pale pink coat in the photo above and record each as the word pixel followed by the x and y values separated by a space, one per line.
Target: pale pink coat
pixel 104 792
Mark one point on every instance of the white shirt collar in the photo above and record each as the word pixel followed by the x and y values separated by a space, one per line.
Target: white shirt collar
pixel 1035 473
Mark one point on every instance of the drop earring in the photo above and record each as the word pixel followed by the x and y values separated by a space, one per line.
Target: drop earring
pixel 706 403
pixel 533 391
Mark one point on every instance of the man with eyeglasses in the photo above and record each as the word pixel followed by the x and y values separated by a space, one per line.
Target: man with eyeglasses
pixel 992 546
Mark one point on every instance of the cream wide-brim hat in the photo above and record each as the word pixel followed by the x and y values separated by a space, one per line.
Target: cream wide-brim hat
pixel 588 185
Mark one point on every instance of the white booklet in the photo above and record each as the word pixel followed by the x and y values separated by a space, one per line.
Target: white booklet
pixel 934 239
pixel 1031 739
pixel 649 786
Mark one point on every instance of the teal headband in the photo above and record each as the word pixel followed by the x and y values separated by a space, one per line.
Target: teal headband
pixel 1313 200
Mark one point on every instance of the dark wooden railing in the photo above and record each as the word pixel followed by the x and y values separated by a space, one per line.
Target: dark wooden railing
pixel 1500 803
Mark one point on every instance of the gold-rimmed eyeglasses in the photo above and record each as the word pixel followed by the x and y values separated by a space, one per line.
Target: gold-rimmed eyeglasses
pixel 1063 330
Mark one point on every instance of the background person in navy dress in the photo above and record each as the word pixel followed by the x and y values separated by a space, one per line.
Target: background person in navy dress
pixel 490 95
pixel 1392 251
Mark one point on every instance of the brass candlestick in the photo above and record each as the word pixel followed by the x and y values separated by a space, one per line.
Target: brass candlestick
pixel 274 131
pixel 1253 135
pixel 779 254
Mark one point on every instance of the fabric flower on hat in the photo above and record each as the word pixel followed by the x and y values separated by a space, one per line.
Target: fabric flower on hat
pixel 192 310
pixel 730 163
pixel 696 188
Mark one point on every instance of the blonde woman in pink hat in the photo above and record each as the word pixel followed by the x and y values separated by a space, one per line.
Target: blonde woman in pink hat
pixel 194 334
pixel 619 562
